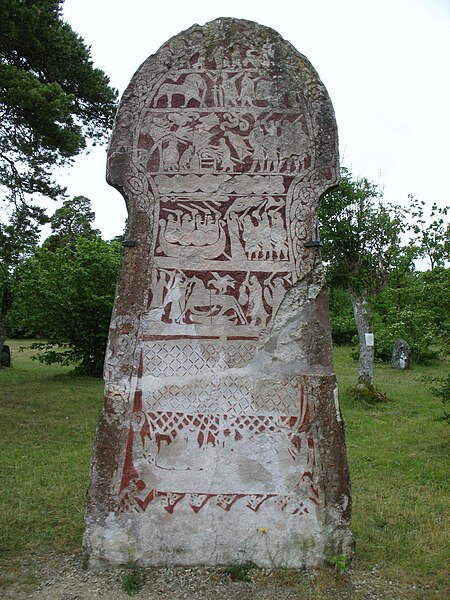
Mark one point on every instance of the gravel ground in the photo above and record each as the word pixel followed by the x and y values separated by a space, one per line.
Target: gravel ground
pixel 60 578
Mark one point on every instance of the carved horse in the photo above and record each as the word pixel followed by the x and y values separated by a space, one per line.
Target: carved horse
pixel 193 88
pixel 200 298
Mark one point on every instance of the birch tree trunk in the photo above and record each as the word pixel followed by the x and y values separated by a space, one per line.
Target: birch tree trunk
pixel 363 319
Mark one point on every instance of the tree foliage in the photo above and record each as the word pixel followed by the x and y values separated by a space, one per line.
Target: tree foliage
pixel 52 99
pixel 72 220
pixel 366 262
pixel 415 306
pixel 360 234
pixel 431 236
pixel 18 239
pixel 66 296
pixel 361 241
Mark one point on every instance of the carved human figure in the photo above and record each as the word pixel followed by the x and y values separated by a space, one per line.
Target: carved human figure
pixel 256 141
pixel 186 159
pixel 225 156
pixel 200 62
pixel 266 235
pixel 267 56
pixel 201 138
pixel 236 58
pixel 252 245
pixel 274 292
pixel 187 225
pixel 251 59
pixel 171 228
pixel 286 145
pixel 158 281
pixel 157 126
pixel 278 235
pixel 256 311
pixel 211 230
pixel 301 143
pixel 247 94
pixel 175 299
pixel 230 93
pixel 218 57
pixel 271 142
pixel 234 231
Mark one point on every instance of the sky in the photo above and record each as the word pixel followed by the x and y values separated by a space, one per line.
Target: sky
pixel 385 65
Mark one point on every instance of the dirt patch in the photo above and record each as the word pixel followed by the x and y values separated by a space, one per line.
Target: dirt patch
pixel 61 578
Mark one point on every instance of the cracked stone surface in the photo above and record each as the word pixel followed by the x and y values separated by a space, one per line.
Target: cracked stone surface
pixel 221 437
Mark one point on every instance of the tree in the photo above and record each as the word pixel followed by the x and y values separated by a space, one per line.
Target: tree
pixel 73 220
pixel 18 239
pixel 52 99
pixel 361 236
pixel 431 236
pixel 67 296
pixel 401 311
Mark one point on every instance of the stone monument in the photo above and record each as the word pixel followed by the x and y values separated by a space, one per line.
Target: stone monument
pixel 401 355
pixel 221 438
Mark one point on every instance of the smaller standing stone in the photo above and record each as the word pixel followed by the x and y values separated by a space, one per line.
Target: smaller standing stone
pixel 401 355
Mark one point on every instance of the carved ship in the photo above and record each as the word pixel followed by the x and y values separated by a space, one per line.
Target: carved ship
pixel 208 251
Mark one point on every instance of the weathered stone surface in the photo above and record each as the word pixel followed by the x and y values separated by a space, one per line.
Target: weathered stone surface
pixel 221 437
pixel 401 355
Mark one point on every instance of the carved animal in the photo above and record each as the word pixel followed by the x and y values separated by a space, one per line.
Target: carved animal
pixel 192 88
pixel 200 298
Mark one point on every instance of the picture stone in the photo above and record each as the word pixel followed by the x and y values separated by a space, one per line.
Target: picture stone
pixel 221 438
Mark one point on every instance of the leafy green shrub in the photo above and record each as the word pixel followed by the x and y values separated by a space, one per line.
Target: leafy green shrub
pixel 415 307
pixel 66 296
pixel 415 326
pixel 441 389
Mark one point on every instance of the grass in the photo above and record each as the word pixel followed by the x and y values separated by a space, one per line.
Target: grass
pixel 48 419
pixel 397 452
pixel 239 572
pixel 133 580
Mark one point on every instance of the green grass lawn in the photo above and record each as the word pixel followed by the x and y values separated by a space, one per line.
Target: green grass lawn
pixel 398 453
pixel 397 450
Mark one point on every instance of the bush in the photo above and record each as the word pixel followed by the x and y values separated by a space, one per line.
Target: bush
pixel 415 326
pixel 66 296
pixel 441 389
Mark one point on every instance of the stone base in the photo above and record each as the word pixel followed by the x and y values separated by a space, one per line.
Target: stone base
pixel 188 539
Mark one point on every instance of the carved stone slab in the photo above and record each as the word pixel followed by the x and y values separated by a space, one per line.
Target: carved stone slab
pixel 221 437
